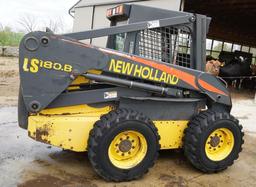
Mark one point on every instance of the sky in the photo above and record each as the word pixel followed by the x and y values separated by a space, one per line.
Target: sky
pixel 11 11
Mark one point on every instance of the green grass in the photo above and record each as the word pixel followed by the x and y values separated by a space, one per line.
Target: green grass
pixel 10 38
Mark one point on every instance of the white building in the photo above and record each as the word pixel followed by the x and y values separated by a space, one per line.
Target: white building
pixel 91 14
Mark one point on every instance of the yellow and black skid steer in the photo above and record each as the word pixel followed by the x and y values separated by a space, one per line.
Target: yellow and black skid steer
pixel 145 91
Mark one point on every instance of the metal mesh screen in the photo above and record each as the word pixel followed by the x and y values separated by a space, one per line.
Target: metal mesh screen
pixel 166 44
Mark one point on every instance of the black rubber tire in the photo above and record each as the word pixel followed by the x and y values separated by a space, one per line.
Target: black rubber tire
pixel 103 133
pixel 196 135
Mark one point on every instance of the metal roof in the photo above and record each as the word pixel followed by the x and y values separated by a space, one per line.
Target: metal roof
pixel 232 20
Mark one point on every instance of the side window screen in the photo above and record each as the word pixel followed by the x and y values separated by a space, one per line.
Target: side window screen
pixel 167 44
pixel 119 39
pixel 119 42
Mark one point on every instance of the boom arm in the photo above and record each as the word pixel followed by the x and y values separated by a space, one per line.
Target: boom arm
pixel 49 63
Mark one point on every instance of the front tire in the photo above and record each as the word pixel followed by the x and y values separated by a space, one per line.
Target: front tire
pixel 123 145
pixel 213 141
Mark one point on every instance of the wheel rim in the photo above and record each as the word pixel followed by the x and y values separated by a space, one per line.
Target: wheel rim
pixel 219 144
pixel 127 149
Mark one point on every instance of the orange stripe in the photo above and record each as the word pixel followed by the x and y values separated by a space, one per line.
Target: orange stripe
pixel 211 88
pixel 186 77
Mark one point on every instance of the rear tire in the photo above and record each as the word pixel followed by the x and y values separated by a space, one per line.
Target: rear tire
pixel 123 145
pixel 213 141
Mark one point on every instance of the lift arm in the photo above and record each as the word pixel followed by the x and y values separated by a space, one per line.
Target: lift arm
pixel 49 63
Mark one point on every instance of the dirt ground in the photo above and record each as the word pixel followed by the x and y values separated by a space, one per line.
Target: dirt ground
pixel 9 81
pixel 26 163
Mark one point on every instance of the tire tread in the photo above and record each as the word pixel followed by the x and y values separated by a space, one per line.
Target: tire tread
pixel 103 125
pixel 194 131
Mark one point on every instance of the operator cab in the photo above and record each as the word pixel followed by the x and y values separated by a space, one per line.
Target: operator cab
pixel 118 16
pixel 165 44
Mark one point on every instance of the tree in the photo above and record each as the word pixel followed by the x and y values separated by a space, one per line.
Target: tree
pixel 1 27
pixel 8 37
pixel 56 25
pixel 4 36
pixel 28 22
pixel 226 47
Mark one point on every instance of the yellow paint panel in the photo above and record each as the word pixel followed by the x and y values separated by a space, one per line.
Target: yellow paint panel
pixel 69 127
pixel 66 127
pixel 78 110
pixel 66 132
pixel 171 133
pixel 81 80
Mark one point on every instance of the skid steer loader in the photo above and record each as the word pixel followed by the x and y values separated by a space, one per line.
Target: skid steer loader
pixel 145 92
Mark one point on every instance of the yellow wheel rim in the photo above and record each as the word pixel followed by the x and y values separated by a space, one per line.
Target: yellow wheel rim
pixel 127 149
pixel 219 144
